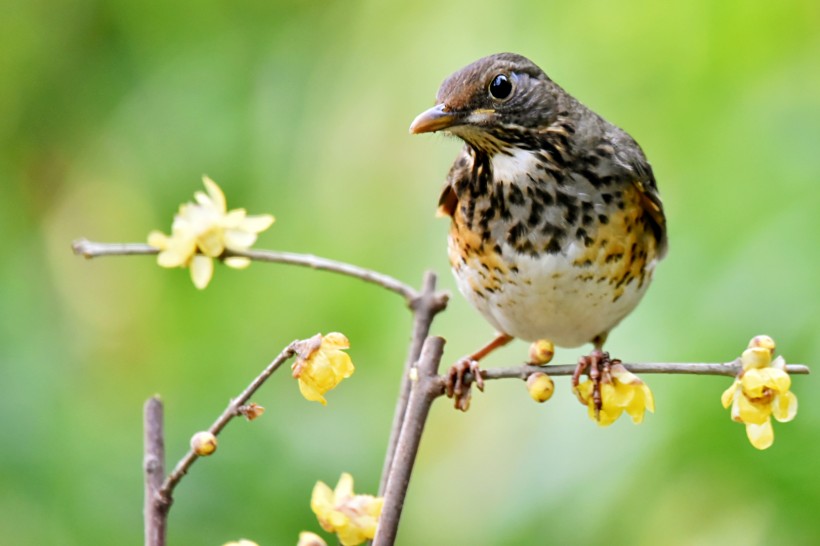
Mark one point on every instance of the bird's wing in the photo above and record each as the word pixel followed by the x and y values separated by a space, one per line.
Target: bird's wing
pixel 650 201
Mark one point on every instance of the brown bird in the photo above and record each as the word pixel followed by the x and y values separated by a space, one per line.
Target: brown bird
pixel 557 224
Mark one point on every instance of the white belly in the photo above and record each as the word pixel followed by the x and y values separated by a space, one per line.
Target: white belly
pixel 549 298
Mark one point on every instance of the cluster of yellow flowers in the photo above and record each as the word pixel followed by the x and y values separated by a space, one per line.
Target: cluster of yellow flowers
pixel 352 517
pixel 761 391
pixel 621 391
pixel 203 230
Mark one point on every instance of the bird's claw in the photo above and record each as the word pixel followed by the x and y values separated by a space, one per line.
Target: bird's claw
pixel 596 366
pixel 458 382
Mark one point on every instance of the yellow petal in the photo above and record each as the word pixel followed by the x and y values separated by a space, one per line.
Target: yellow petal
pixel 728 395
pixel 178 252
pixel 374 508
pixel 753 382
pixel 215 193
pixel 341 364
pixel 779 379
pixel 237 262
pixel 321 500
pixel 239 240
pixel 761 436
pixel 641 401
pixel 335 340
pixel 345 486
pixel 257 223
pixel 784 407
pixel 751 412
pixel 309 391
pixel 755 357
pixel 234 219
pixel 306 538
pixel 606 416
pixel 619 395
pixel 351 535
pixel 779 363
pixel 171 258
pixel 202 269
pixel 157 239
pixel 624 376
pixel 736 408
pixel 584 392
pixel 649 398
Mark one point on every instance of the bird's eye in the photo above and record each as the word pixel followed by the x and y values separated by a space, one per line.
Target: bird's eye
pixel 501 87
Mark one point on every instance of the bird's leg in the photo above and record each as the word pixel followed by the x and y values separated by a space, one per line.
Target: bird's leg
pixel 456 387
pixel 596 366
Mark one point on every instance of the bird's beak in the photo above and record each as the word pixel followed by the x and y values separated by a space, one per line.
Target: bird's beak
pixel 434 119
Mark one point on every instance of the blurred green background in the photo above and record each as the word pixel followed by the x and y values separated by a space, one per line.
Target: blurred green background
pixel 111 111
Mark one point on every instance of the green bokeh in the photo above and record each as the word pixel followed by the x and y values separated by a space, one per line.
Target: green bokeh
pixel 110 112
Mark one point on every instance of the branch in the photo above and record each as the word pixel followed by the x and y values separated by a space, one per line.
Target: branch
pixel 155 512
pixel 91 249
pixel 425 308
pixel 425 389
pixel 166 490
pixel 727 369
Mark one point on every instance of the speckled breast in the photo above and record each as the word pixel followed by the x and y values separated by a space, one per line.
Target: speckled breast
pixel 568 286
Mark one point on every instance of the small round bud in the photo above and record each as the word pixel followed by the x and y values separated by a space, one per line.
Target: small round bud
pixel 756 357
pixel 541 352
pixel 203 443
pixel 540 386
pixel 763 341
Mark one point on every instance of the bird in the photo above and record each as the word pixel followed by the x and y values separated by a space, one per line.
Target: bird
pixel 557 224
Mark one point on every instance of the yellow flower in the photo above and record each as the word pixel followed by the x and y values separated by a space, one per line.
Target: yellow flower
pixel 321 365
pixel 621 390
pixel 761 391
pixel 203 230
pixel 352 517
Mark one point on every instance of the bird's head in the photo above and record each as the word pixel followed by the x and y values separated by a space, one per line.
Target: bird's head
pixel 491 100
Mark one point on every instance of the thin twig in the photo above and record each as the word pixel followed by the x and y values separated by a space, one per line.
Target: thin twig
pixel 425 389
pixel 425 308
pixel 91 249
pixel 155 512
pixel 181 468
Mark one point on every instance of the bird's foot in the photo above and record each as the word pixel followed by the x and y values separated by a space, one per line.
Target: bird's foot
pixel 596 366
pixel 459 380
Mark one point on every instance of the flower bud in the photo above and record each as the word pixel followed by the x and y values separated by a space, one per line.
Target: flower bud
pixel 763 341
pixel 541 352
pixel 540 386
pixel 251 411
pixel 756 357
pixel 203 443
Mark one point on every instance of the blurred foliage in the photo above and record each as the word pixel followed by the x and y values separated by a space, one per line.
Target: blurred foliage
pixel 112 110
